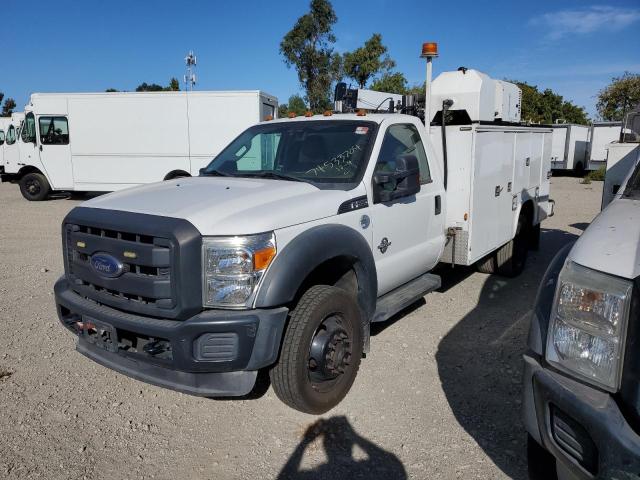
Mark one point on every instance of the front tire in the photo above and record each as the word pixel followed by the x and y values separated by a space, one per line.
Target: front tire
pixel 321 351
pixel 34 187
pixel 541 465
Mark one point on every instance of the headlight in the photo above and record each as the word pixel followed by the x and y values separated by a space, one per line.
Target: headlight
pixel 232 268
pixel 588 325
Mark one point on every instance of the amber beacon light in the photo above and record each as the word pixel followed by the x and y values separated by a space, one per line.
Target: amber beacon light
pixel 429 49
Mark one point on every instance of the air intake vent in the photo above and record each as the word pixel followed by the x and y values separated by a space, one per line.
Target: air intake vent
pixel 574 440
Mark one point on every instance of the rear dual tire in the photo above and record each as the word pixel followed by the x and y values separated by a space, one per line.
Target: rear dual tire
pixel 510 259
pixel 321 351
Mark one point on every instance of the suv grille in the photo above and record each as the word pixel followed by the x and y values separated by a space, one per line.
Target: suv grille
pixel 147 263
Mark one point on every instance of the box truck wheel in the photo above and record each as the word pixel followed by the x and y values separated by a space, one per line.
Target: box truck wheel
pixel 509 259
pixel 321 351
pixel 34 187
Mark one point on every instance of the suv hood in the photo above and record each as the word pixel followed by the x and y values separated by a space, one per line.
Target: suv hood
pixel 611 244
pixel 229 206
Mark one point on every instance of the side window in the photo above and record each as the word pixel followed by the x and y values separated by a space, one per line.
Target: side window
pixel 1 137
pixel 54 130
pixel 11 135
pixel 28 133
pixel 399 141
pixel 260 154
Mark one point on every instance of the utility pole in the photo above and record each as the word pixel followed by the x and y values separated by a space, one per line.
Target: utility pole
pixel 190 76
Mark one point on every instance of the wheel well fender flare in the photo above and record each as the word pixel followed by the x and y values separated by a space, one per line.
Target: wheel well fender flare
pixel 527 205
pixel 30 169
pixel 312 248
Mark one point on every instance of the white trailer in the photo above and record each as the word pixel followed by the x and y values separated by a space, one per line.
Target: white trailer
pixel 110 141
pixel 601 135
pixel 569 147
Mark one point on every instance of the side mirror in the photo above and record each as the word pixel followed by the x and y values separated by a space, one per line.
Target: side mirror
pixel 404 181
pixel 202 170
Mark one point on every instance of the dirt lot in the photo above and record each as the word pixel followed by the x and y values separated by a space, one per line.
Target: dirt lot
pixel 438 396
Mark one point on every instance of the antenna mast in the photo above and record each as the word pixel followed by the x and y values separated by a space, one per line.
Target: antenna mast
pixel 190 76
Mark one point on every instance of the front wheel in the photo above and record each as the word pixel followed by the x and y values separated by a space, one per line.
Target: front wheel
pixel 321 351
pixel 34 187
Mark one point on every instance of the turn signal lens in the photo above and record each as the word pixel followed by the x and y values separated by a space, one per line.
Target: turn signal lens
pixel 361 113
pixel 262 258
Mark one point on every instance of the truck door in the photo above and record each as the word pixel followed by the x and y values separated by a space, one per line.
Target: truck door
pixel 55 152
pixel 11 155
pixel 408 233
pixel 28 151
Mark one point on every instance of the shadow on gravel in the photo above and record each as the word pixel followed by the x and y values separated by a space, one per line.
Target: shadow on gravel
pixel 480 359
pixel 338 439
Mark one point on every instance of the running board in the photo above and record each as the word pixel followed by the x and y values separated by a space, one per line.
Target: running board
pixel 391 303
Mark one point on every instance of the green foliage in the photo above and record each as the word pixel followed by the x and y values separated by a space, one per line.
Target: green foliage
pixel 9 105
pixel 174 85
pixel 367 61
pixel 391 83
pixel 595 175
pixel 296 104
pixel 548 106
pixel 308 48
pixel 623 93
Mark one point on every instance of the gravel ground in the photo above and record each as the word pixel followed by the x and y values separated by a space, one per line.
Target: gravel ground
pixel 437 397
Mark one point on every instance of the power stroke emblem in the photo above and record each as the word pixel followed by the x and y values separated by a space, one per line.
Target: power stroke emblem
pixel 106 265
pixel 384 245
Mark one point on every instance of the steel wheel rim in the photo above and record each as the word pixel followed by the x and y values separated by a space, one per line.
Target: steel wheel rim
pixel 330 352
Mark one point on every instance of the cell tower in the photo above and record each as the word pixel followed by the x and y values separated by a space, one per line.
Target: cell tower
pixel 190 77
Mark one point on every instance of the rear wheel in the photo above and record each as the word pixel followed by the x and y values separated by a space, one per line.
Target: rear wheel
pixel 34 187
pixel 321 351
pixel 509 260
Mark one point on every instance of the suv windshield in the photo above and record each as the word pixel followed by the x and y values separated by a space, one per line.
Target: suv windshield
pixel 330 154
pixel 632 189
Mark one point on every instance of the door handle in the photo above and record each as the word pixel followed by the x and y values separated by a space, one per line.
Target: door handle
pixel 438 205
pixel 498 190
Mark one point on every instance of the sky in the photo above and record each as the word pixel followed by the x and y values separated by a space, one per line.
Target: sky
pixel 573 47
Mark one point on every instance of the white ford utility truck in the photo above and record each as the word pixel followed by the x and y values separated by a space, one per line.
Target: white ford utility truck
pixel 296 237
pixel 582 368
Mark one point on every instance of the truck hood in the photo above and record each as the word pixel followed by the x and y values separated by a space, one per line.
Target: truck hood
pixel 229 206
pixel 611 244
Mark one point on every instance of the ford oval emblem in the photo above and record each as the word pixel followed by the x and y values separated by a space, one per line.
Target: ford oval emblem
pixel 106 265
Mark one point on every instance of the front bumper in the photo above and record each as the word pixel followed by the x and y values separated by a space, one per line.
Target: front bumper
pixel 213 353
pixel 549 395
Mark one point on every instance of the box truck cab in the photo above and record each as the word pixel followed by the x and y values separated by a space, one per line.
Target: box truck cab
pixel 110 141
pixel 294 239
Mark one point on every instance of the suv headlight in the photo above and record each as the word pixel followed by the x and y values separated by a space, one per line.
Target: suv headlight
pixel 232 268
pixel 588 325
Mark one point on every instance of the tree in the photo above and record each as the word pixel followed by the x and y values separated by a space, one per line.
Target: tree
pixel 174 85
pixel 9 105
pixel 111 90
pixel 391 83
pixel 308 48
pixel 367 61
pixel 622 94
pixel 548 106
pixel 295 104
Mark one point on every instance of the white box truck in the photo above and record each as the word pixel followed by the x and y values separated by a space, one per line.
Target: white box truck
pixel 282 263
pixel 110 141
pixel 601 135
pixel 569 147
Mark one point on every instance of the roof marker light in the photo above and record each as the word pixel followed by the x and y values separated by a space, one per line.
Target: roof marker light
pixel 292 115
pixel 429 49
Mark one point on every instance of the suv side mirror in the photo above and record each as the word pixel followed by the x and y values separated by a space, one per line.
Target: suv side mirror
pixel 202 170
pixel 403 182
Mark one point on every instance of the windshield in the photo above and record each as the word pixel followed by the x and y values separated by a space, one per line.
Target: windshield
pixel 328 154
pixel 632 189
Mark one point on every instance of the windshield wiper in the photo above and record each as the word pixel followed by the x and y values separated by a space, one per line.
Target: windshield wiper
pixel 271 174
